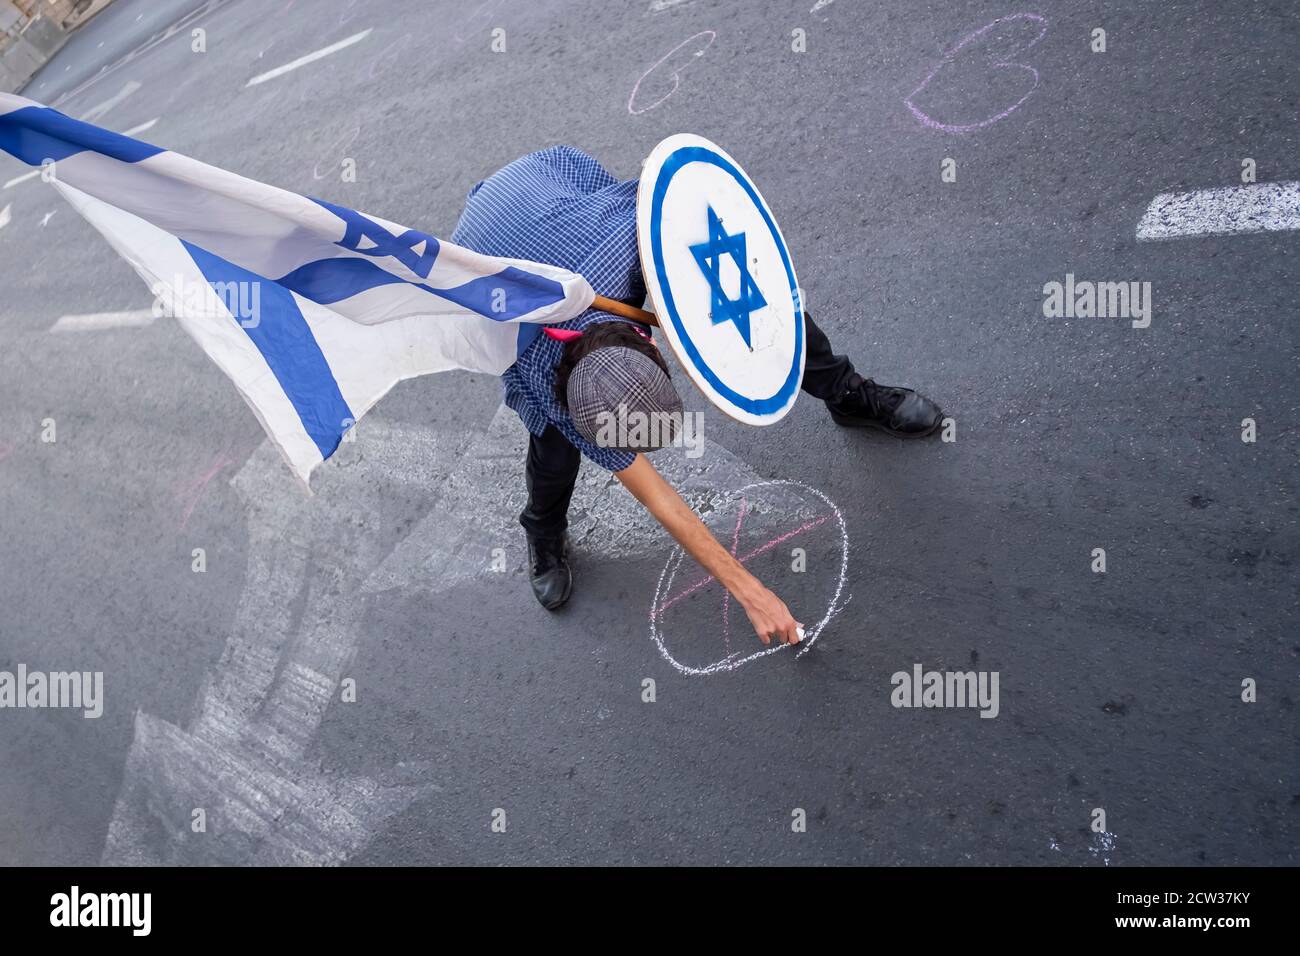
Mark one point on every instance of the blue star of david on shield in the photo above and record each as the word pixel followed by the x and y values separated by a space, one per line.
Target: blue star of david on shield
pixel 709 257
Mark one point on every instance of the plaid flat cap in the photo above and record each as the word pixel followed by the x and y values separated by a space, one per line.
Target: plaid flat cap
pixel 620 398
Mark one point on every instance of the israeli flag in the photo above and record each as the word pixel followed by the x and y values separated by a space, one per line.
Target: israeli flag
pixel 313 310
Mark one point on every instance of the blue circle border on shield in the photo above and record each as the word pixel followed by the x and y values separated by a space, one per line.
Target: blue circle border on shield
pixel 765 410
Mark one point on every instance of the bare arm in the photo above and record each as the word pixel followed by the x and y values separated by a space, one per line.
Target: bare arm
pixel 770 617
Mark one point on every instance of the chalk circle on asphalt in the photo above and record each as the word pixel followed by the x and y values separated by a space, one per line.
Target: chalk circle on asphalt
pixel 782 515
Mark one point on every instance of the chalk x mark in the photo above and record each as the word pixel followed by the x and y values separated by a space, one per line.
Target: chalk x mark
pixel 737 659
pixel 309 58
pixel 1230 211
pixel 704 582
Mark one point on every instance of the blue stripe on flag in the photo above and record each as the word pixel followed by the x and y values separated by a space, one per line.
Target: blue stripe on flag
pixel 503 296
pixel 523 292
pixel 37 133
pixel 333 280
pixel 283 337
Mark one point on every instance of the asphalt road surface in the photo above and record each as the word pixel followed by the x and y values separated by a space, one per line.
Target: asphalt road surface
pixel 363 677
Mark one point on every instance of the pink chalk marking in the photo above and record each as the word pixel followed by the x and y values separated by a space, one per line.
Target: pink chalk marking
pixel 808 526
pixel 194 489
pixel 677 80
pixel 929 121
pixel 726 595
pixel 740 658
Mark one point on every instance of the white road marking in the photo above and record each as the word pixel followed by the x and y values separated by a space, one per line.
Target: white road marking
pixel 136 130
pixel 93 115
pixel 22 179
pixel 309 58
pixel 98 321
pixel 1234 210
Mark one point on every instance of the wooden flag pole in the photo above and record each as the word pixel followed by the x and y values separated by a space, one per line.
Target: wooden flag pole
pixel 614 307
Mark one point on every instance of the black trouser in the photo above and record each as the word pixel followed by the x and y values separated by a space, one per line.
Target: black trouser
pixel 553 463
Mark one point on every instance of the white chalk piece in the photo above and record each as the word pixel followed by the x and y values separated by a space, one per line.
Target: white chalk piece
pixel 799 631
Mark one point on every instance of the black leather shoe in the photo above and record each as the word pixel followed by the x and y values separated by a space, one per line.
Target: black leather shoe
pixel 552 581
pixel 897 411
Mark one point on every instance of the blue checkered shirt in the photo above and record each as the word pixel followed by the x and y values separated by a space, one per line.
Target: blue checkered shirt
pixel 561 207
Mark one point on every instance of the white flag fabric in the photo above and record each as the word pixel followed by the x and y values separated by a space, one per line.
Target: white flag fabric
pixel 313 310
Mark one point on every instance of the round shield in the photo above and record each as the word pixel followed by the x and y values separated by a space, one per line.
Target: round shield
pixel 721 279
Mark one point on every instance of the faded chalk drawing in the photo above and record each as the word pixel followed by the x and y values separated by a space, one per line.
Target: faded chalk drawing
pixel 966 54
pixel 246 756
pixel 675 67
